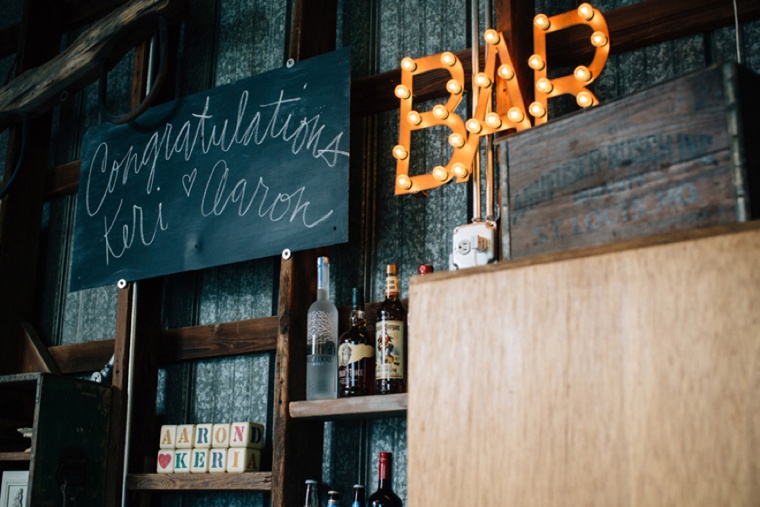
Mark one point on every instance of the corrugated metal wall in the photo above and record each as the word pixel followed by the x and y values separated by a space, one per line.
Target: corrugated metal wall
pixel 226 40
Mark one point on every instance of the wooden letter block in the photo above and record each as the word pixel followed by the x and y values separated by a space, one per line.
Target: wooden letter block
pixel 199 461
pixel 168 436
pixel 243 459
pixel 247 434
pixel 165 461
pixel 203 436
pixel 182 461
pixel 185 436
pixel 217 460
pixel 221 435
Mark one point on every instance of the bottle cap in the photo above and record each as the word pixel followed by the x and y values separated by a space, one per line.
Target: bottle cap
pixel 311 481
pixel 425 269
pixel 391 269
pixel 358 486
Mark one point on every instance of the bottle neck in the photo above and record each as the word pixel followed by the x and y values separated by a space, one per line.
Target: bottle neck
pixel 391 287
pixel 385 476
pixel 323 282
pixel 358 317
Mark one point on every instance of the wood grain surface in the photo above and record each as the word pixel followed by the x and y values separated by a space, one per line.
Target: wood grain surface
pixel 624 378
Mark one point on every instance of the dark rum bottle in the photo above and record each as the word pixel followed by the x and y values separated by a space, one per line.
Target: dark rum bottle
pixel 384 496
pixel 390 338
pixel 356 352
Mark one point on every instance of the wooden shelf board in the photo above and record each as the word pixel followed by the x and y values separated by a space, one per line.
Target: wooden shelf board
pixel 15 456
pixel 254 481
pixel 363 407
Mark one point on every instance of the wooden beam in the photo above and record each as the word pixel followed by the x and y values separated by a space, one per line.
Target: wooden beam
pixel 62 180
pixel 35 356
pixel 82 357
pixel 305 41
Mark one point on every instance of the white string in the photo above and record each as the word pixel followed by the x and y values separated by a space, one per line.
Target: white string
pixel 736 29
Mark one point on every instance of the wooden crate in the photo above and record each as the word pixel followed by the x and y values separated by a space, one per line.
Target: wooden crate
pixel 677 156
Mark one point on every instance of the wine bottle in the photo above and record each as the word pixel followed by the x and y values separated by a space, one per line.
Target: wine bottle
pixel 359 496
pixel 321 340
pixel 384 496
pixel 390 333
pixel 312 494
pixel 356 352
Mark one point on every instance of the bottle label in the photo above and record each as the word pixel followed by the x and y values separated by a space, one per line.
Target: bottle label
pixel 351 353
pixel 319 333
pixel 391 286
pixel 389 337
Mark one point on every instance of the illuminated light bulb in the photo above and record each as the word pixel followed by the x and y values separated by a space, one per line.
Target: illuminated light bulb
pixel 402 92
pixel 449 59
pixel 584 99
pixel 582 73
pixel 482 80
pixel 506 72
pixel 404 182
pixel 456 140
pixel 491 36
pixel 586 11
pixel 408 64
pixel 440 112
pixel 454 86
pixel 440 173
pixel 537 110
pixel 544 85
pixel 598 39
pixel 399 152
pixel 515 115
pixel 473 125
pixel 414 117
pixel 535 62
pixel 493 120
pixel 459 170
pixel 542 22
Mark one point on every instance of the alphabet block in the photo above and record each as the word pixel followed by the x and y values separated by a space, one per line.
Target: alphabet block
pixel 165 461
pixel 243 459
pixel 168 436
pixel 220 436
pixel 247 434
pixel 185 436
pixel 199 461
pixel 182 461
pixel 202 436
pixel 217 460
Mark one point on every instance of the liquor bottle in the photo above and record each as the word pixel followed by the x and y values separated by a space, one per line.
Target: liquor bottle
pixel 359 496
pixel 390 333
pixel 312 494
pixel 321 340
pixel 333 498
pixel 356 352
pixel 384 496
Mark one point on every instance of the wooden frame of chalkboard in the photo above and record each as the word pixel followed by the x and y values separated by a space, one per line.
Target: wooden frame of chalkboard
pixel 238 172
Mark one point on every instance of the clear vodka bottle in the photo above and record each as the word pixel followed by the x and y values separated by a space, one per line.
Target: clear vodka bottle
pixel 322 339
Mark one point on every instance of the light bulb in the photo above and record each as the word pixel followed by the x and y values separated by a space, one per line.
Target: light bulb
pixel 598 39
pixel 459 170
pixel 408 64
pixel 535 62
pixel 404 182
pixel 544 85
pixel 584 99
pixel 402 92
pixel 582 73
pixel 542 22
pixel 537 110
pixel 515 115
pixel 506 72
pixel 491 36
pixel 399 152
pixel 456 140
pixel 493 120
pixel 454 86
pixel 440 173
pixel 482 80
pixel 414 117
pixel 448 59
pixel 473 125
pixel 440 112
pixel 586 11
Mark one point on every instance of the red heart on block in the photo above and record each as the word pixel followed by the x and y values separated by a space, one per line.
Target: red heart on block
pixel 164 460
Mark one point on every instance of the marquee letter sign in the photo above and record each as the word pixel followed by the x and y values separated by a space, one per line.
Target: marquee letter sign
pixel 498 78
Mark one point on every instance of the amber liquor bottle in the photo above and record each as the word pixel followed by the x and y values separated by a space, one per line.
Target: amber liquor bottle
pixel 356 353
pixel 384 496
pixel 390 338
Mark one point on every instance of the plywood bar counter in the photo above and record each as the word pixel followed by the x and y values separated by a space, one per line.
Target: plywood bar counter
pixel 618 376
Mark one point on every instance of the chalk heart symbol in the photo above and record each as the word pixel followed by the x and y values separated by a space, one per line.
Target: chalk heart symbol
pixel 188 180
pixel 164 460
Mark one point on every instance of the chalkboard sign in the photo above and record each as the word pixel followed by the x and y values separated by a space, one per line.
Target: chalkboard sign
pixel 239 172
